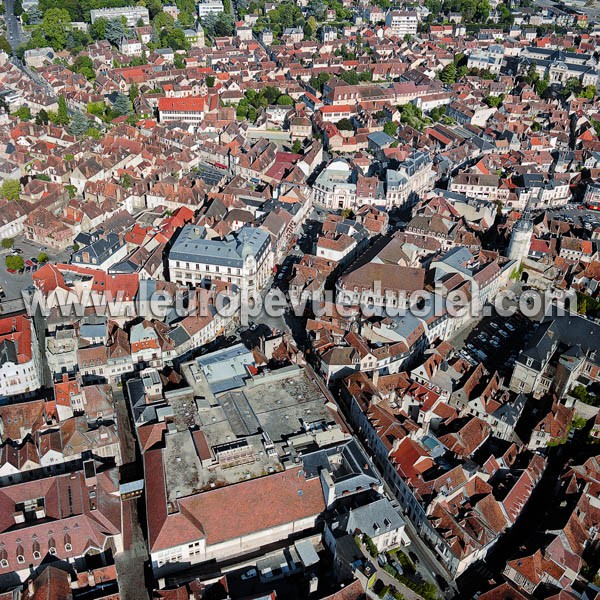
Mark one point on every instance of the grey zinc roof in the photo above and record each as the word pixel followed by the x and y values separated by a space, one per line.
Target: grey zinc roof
pixel 374 519
pixel 192 246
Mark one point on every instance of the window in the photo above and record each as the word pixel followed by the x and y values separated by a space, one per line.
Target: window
pixel 37 555
pixel 3 563
pixel 52 550
pixel 68 547
pixel 20 559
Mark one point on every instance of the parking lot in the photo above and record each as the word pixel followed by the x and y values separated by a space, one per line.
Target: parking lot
pixel 496 341
pixel 576 214
pixel 14 283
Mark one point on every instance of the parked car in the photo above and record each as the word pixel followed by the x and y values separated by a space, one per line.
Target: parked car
pixel 17 251
pixel 249 574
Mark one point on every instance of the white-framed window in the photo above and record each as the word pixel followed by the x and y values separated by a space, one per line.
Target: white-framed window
pixel 4 563
pixel 20 559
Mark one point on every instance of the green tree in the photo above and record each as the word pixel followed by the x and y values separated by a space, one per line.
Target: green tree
pixel 5 45
pixel 345 125
pixel 62 116
pixel 179 61
pixel 14 262
pixel 391 128
pixel 56 26
pixel 448 74
pixel 285 100
pixel 589 92
pixel 122 104
pixel 84 66
pixel 134 91
pixel 162 20
pixel 115 31
pixel 7 243
pixel 350 77
pixel 42 118
pixel 79 124
pixel 42 257
pixel 126 181
pixel 494 101
pixel 24 113
pixel 210 81
pixel 297 147
pixel 10 189
pixel 98 29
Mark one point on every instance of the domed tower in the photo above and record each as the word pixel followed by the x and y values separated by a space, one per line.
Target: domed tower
pixel 520 239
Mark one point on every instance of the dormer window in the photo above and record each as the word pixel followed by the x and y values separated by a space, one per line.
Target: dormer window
pixel 4 563
pixel 68 547
pixel 20 559
pixel 52 550
pixel 37 555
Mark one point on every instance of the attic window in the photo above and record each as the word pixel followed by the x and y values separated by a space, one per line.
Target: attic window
pixel 4 563
pixel 37 555
pixel 20 559
pixel 68 547
pixel 52 550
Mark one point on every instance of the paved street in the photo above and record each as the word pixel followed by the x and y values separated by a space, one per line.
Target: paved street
pixel 13 26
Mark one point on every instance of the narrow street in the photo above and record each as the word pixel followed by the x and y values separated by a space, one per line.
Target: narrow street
pixel 130 563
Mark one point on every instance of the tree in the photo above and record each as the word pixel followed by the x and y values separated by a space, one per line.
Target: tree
pixel 311 25
pixel 448 74
pixel 391 128
pixel 10 189
pixel 297 147
pixel 494 101
pixel 285 100
pixel 122 104
pixel 98 29
pixel 179 61
pixel 84 66
pixel 24 113
pixel 42 257
pixel 210 81
pixel 56 25
pixel 42 118
pixel 163 20
pixel 345 125
pixel 7 243
pixel 5 45
pixel 79 124
pixel 62 116
pixel 115 31
pixel 350 77
pixel 14 262
pixel 174 38
pixel 126 181
pixel 134 91
pixel 589 91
